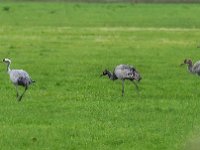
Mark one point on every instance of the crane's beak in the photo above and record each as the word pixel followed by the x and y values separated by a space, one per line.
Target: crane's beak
pixel 181 64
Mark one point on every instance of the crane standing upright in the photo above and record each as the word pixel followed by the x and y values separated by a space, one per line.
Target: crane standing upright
pixel 18 77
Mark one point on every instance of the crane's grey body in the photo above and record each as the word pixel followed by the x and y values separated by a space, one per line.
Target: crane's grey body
pixel 18 77
pixel 123 72
pixel 194 69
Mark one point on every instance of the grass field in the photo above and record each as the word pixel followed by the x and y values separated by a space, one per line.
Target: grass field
pixel 65 47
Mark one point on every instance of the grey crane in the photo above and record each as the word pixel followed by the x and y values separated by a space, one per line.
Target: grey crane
pixel 194 69
pixel 18 78
pixel 123 72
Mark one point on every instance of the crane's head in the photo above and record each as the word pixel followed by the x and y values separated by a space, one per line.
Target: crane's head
pixel 7 61
pixel 105 72
pixel 187 61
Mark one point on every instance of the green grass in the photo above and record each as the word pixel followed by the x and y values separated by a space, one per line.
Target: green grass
pixel 65 47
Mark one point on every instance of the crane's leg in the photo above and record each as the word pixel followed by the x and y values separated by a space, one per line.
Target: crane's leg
pixel 136 86
pixel 17 90
pixel 122 87
pixel 20 97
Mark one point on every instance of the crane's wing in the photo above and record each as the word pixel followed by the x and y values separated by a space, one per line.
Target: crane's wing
pixel 20 77
pixel 124 71
pixel 21 73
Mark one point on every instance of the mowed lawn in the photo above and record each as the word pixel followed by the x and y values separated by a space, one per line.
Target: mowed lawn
pixel 66 46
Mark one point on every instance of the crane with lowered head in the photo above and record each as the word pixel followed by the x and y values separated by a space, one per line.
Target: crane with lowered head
pixel 192 68
pixel 123 72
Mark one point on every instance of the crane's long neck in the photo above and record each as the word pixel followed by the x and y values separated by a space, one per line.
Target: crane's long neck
pixel 8 67
pixel 111 76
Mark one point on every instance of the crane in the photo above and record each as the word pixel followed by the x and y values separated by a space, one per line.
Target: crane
pixel 18 77
pixel 123 72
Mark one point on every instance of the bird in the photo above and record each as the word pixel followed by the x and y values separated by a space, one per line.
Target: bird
pixel 18 77
pixel 123 72
pixel 192 68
